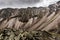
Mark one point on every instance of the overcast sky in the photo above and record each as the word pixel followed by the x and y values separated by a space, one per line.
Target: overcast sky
pixel 25 3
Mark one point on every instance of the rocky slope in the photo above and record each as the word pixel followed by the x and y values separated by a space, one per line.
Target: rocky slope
pixel 42 18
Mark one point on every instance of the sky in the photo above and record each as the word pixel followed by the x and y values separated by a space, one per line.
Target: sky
pixel 25 3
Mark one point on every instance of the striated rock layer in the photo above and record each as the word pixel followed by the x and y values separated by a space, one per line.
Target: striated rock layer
pixel 42 18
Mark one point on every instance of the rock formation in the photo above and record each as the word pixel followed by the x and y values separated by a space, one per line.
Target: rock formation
pixel 42 18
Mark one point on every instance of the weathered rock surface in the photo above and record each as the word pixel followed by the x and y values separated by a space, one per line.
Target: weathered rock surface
pixel 31 18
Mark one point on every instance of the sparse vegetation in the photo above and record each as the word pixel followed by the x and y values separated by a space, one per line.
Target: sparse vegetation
pixel 10 34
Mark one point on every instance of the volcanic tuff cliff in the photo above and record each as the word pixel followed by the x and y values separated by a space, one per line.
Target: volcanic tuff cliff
pixel 10 17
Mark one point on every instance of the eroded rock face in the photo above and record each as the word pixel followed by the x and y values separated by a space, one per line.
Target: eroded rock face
pixel 9 17
pixel 24 13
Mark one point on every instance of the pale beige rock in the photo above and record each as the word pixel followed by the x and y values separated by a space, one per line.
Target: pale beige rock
pixel 11 23
pixel 52 25
pixel 39 23
pixel 3 24
pixel 18 24
pixel 29 23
